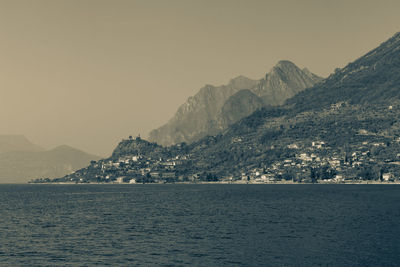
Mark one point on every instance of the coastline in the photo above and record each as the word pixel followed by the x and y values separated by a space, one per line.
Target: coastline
pixel 235 183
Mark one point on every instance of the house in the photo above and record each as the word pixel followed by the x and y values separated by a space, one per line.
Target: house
pixel 293 146
pixel 318 144
pixel 378 144
pixel 387 176
pixel 119 180
pixel 168 175
pixel 155 174
pixel 304 157
pixel 338 178
pixel 334 162
pixel 270 177
pixel 194 177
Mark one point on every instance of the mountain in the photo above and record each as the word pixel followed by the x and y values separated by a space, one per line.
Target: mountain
pixel 284 81
pixel 10 143
pixel 18 165
pixel 355 111
pixel 139 147
pixel 202 114
pixel 192 119
pixel 240 105
pixel 374 77
pixel 346 127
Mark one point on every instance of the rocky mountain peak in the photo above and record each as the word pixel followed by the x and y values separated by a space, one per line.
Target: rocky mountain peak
pixel 285 65
pixel 201 114
pixel 283 70
pixel 242 82
pixel 284 81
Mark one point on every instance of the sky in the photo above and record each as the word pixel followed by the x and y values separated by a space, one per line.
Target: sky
pixel 87 73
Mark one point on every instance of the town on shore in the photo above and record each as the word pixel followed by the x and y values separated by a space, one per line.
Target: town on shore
pixel 314 162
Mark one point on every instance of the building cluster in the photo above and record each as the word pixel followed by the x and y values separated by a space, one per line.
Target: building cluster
pixel 320 163
pixel 311 162
pixel 131 169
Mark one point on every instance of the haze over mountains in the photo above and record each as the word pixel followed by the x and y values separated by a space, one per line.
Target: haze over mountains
pixel 213 109
pixel 12 143
pixel 21 160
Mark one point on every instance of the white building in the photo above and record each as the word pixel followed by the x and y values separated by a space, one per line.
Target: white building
pixel 387 176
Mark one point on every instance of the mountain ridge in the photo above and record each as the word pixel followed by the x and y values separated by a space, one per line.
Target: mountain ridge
pixel 24 161
pixel 346 128
pixel 13 142
pixel 200 114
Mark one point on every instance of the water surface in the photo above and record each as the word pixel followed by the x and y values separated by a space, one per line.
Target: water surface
pixel 230 225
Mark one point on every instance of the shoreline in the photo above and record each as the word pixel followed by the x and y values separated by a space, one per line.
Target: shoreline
pixel 232 183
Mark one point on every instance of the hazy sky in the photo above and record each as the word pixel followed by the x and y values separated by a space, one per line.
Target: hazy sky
pixel 88 73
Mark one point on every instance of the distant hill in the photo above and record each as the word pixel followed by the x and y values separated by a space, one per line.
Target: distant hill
pixel 10 143
pixel 138 146
pixel 202 114
pixel 18 165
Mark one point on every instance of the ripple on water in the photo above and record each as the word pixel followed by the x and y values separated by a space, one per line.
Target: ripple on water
pixel 171 225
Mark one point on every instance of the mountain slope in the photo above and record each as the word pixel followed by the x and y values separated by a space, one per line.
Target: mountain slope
pixel 10 143
pixel 138 147
pixel 201 114
pixel 21 166
pixel 238 106
pixel 284 81
pixel 191 120
pixel 346 127
pixel 375 77
pixel 355 109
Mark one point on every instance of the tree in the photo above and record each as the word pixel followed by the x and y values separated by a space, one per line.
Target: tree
pixel 313 175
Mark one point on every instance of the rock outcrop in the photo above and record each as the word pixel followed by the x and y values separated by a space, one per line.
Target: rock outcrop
pixel 208 112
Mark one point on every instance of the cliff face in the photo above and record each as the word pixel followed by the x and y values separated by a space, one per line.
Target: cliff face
pixel 284 81
pixel 208 112
pixel 193 118
pixel 238 106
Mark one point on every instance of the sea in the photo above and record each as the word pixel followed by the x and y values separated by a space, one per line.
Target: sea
pixel 199 225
